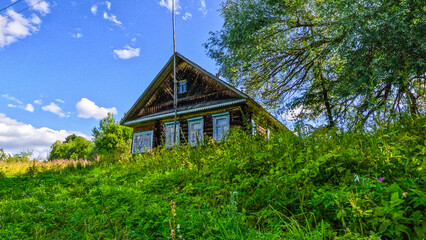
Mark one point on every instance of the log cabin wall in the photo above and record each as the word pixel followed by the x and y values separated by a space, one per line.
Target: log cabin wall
pixel 200 89
pixel 239 116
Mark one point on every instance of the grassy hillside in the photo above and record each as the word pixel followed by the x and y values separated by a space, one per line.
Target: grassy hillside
pixel 329 184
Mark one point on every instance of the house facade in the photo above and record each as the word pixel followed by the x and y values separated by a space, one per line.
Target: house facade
pixel 207 108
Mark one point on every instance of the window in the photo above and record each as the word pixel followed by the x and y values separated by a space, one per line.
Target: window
pixel 220 125
pixel 142 142
pixel 182 87
pixel 196 131
pixel 170 133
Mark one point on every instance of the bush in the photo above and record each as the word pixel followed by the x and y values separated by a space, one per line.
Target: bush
pixel 329 184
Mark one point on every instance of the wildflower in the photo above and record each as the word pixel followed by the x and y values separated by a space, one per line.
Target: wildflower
pixel 178 226
pixel 0 217
pixel 404 194
pixel 135 210
pixel 0 226
pixel 356 178
pixel 167 197
pixel 381 179
pixel 267 178
pixel 180 236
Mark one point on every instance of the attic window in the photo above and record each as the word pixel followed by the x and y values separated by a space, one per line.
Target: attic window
pixel 182 87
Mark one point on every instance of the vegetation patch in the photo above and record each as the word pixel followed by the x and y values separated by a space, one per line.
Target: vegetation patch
pixel 328 184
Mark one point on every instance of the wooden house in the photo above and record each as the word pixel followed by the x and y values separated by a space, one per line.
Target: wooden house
pixel 207 108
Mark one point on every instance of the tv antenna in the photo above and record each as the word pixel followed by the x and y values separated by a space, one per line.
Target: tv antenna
pixel 175 95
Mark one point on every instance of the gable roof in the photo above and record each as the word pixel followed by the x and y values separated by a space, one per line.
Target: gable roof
pixel 131 115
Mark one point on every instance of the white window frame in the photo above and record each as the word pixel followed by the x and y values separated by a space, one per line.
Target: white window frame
pixel 135 135
pixel 180 84
pixel 166 125
pixel 194 142
pixel 217 117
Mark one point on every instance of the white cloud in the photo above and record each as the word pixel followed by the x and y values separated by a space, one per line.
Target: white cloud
pixel 187 16
pixel 40 6
pixel 55 109
pixel 203 7
pixel 60 100
pixel 111 18
pixel 14 26
pixel 133 40
pixel 6 96
pixel 38 101
pixel 29 107
pixel 77 35
pixel 94 9
pixel 17 136
pixel 169 5
pixel 88 109
pixel 127 52
pixel 293 114
pixel 108 4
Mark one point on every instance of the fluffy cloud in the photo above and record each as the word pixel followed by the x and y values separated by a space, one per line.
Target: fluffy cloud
pixel 94 9
pixel 14 26
pixel 108 4
pixel 55 109
pixel 127 52
pixel 203 7
pixel 17 136
pixel 111 18
pixel 6 96
pixel 88 109
pixel 77 35
pixel 38 101
pixel 40 6
pixel 27 107
pixel 169 4
pixel 187 16
pixel 293 114
pixel 60 100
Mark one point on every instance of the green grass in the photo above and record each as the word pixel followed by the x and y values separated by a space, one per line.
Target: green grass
pixel 321 186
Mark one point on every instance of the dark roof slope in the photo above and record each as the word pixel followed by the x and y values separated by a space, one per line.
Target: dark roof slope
pixel 161 76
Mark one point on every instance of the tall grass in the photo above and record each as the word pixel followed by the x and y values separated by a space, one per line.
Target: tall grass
pixel 329 184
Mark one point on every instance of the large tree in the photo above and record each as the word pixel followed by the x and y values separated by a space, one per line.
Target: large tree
pixel 74 147
pixel 111 137
pixel 334 59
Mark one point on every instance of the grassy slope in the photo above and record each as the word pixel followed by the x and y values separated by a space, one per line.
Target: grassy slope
pixel 323 185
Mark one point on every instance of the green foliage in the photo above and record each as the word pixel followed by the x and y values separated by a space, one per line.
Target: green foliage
pixel 74 147
pixel 345 61
pixel 111 137
pixel 23 156
pixel 329 184
pixel 3 156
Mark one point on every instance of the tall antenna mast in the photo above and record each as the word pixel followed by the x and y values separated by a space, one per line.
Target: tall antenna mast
pixel 175 95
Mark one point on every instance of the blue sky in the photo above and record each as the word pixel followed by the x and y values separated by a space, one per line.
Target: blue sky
pixel 65 64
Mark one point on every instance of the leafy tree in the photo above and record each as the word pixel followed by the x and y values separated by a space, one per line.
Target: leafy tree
pixel 23 156
pixel 334 59
pixel 111 137
pixel 3 156
pixel 74 147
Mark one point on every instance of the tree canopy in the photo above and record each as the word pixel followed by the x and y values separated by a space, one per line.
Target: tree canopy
pixel 344 61
pixel 111 137
pixel 74 147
